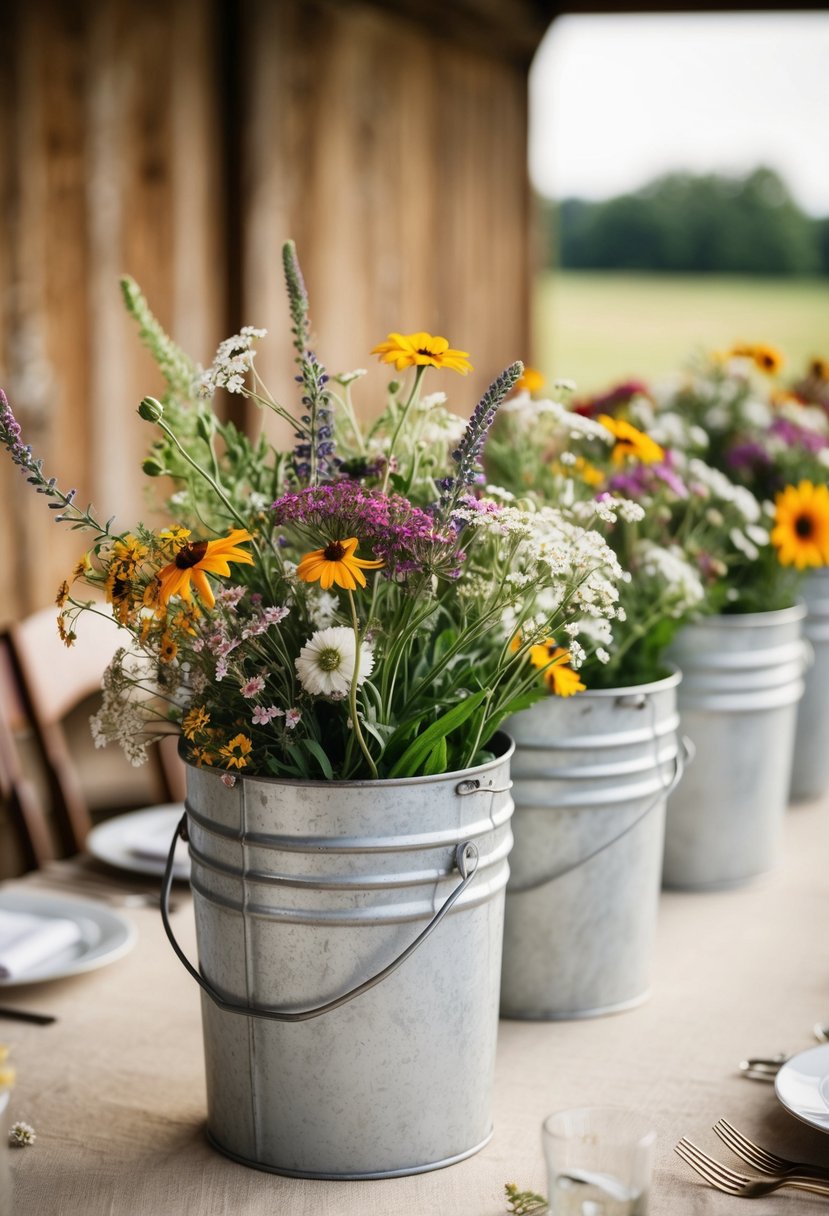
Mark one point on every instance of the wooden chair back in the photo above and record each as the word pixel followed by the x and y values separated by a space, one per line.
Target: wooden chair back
pixel 50 681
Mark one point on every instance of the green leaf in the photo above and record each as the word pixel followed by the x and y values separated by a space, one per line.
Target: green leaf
pixel 323 761
pixel 420 749
pixel 436 760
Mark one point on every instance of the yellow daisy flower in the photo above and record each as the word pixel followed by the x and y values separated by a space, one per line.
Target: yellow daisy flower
pixel 631 442
pixel 767 358
pixel 194 721
pixel 422 350
pixel 167 649
pixel 801 526
pixel 336 565
pixel 82 567
pixel 558 676
pixel 196 559
pixel 235 753
pixel 63 594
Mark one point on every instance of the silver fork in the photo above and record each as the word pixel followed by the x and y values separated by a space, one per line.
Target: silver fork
pixel 761 1158
pixel 722 1178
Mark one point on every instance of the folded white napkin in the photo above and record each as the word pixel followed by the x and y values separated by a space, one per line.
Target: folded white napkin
pixel 153 841
pixel 26 940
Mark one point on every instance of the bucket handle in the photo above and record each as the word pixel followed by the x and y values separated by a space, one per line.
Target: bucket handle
pixel 683 756
pixel 466 862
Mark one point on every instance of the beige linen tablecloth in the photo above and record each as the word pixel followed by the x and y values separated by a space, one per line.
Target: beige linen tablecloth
pixel 115 1088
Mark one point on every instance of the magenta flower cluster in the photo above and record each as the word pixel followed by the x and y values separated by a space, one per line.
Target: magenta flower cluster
pixel 644 479
pixel 403 535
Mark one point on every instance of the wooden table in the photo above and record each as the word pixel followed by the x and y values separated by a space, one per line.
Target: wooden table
pixel 115 1087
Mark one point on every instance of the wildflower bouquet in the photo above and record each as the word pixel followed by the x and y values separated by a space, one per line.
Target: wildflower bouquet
pixel 689 540
pixel 769 437
pixel 326 612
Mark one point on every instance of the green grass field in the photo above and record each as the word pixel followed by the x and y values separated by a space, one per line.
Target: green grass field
pixel 599 328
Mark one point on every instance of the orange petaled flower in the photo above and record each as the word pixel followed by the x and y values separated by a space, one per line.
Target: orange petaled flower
pixel 422 350
pixel 336 564
pixel 631 442
pixel 195 721
pixel 766 358
pixel 196 559
pixel 801 526
pixel 819 368
pixel 531 380
pixel 167 649
pixel 235 753
pixel 558 676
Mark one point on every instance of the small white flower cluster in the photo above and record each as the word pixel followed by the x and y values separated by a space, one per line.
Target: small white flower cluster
pixel 669 565
pixel 719 486
pixel 21 1134
pixel 234 359
pixel 127 707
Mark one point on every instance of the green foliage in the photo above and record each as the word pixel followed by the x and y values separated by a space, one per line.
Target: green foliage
pixel 682 222
pixel 524 1203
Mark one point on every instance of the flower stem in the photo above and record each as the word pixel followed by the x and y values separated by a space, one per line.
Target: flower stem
pixel 413 395
pixel 352 694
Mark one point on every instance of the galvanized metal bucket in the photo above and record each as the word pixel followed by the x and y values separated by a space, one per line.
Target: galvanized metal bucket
pixel 742 677
pixel 339 1043
pixel 592 773
pixel 810 772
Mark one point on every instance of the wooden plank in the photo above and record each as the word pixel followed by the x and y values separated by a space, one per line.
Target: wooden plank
pixel 401 173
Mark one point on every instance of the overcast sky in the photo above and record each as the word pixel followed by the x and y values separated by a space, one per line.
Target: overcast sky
pixel 616 100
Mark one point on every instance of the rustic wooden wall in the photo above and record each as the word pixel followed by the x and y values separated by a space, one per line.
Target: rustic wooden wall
pixel 109 115
pixel 182 141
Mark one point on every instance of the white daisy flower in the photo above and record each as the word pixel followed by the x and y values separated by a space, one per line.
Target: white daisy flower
pixel 326 662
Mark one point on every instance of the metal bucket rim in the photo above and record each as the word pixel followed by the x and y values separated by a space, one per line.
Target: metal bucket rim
pixel 628 690
pixel 501 742
pixel 753 620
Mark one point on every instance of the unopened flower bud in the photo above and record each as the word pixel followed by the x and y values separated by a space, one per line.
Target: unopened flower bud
pixel 394 386
pixel 151 410
pixel 153 468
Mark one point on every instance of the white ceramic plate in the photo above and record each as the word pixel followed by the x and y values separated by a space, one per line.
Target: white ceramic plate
pixel 105 935
pixel 139 841
pixel 802 1085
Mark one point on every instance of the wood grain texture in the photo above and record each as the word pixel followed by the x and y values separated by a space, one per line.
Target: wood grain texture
pixel 110 154
pixel 182 141
pixel 397 161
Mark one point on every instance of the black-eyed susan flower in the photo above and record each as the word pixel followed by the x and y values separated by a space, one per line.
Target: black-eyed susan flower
pixel 421 350
pixel 631 442
pixel 336 564
pixel 559 677
pixel 195 721
pixel 801 526
pixel 196 559
pixel 766 358
pixel 167 648
pixel 235 753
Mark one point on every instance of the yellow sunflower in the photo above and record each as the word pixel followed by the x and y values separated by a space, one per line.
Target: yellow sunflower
pixel 767 358
pixel 195 721
pixel 631 442
pixel 336 564
pixel 558 676
pixel 801 526
pixel 196 559
pixel 235 753
pixel 422 350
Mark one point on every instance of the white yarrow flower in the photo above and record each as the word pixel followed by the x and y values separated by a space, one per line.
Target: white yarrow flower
pixel 326 662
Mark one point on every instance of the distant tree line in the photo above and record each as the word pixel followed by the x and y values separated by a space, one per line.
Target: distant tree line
pixel 683 222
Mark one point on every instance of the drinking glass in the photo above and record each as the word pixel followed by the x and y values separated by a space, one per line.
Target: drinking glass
pixel 599 1161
